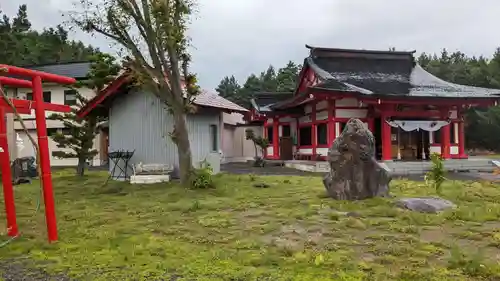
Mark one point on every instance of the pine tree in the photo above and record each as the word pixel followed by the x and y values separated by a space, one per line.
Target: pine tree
pixel 79 133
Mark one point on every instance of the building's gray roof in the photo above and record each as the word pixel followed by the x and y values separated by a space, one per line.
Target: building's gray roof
pixel 77 70
pixel 206 98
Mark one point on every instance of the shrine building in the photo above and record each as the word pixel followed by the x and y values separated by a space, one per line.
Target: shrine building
pixel 410 112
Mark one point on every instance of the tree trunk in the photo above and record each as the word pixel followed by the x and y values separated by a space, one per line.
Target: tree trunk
pixel 80 168
pixel 183 147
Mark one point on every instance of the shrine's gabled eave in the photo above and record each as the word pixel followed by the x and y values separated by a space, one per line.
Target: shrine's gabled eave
pixel 263 101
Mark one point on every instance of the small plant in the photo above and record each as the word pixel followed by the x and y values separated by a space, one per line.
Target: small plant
pixel 194 206
pixel 473 265
pixel 253 177
pixel 436 176
pixel 258 142
pixel 202 177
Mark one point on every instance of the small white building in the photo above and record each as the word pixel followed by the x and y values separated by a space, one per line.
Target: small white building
pixel 139 122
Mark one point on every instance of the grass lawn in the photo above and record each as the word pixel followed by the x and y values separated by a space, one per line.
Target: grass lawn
pixel 289 231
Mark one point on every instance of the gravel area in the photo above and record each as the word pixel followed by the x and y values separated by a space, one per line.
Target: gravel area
pixel 21 270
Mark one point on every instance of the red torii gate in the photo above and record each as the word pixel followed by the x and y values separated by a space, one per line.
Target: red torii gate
pixel 24 107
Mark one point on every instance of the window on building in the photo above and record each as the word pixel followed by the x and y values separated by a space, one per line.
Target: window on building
pixel 305 135
pixel 214 138
pixel 322 134
pixel 47 96
pixel 285 131
pixel 270 134
pixel 70 97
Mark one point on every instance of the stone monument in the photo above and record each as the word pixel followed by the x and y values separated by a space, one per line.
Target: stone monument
pixel 354 172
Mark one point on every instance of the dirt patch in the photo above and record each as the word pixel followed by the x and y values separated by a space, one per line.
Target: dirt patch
pixel 488 226
pixel 296 237
pixel 434 234
pixel 252 213
pixel 23 270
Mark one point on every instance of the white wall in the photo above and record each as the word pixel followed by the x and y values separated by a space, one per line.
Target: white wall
pixel 28 150
pixel 57 97
pixel 236 147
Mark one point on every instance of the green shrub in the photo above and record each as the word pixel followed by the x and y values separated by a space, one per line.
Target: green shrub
pixel 202 177
pixel 435 177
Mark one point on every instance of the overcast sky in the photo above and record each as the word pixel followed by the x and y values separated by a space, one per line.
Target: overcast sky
pixel 244 36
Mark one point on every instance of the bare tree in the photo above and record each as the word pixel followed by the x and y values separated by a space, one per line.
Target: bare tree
pixel 152 34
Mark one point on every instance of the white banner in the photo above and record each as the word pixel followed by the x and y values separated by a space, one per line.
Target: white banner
pixel 412 125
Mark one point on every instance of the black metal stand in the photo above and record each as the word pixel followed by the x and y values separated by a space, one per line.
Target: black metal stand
pixel 114 160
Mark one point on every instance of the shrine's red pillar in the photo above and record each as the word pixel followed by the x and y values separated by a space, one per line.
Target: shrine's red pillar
pixel 445 142
pixel 8 190
pixel 331 122
pixel 264 133
pixel 276 138
pixel 313 129
pixel 386 139
pixel 461 140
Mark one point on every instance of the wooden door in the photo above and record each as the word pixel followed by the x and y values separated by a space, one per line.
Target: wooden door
pixel 286 148
pixel 104 146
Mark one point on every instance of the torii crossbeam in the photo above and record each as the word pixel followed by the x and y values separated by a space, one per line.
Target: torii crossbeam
pixel 25 107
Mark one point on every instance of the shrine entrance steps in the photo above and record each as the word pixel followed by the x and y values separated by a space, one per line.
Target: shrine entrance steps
pixel 408 167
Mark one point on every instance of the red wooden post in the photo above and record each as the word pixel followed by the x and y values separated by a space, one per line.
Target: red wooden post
pixel 461 140
pixel 445 134
pixel 314 127
pixel 445 141
pixel 331 122
pixel 264 134
pixel 276 132
pixel 386 139
pixel 8 190
pixel 43 144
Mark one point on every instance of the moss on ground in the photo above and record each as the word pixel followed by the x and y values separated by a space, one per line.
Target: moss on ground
pixel 289 231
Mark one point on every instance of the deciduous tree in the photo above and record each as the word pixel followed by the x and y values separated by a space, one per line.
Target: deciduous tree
pixel 152 33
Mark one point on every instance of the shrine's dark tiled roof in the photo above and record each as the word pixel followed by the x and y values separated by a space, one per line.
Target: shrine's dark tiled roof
pixel 263 100
pixel 383 73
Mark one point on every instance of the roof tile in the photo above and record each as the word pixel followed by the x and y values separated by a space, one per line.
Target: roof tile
pixel 206 98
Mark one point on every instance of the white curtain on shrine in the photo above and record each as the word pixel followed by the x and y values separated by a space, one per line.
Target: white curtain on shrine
pixel 412 125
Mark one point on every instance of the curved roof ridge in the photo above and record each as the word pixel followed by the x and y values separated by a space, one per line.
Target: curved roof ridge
pixel 366 51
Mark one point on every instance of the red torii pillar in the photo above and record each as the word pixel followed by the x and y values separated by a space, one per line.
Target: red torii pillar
pixel 25 106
